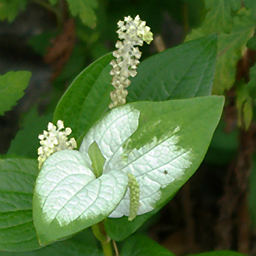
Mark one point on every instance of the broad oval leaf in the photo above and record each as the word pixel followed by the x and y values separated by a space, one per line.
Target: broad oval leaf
pixel 17 232
pixel 185 71
pixel 69 198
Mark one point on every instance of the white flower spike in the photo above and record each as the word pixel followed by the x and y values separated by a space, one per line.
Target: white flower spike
pixel 54 140
pixel 132 32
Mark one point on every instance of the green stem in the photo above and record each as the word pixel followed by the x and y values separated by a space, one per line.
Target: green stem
pixel 99 231
pixel 107 249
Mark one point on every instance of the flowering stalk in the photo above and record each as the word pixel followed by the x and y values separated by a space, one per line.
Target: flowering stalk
pixel 132 32
pixel 54 140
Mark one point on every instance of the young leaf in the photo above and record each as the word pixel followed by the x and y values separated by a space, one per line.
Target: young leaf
pixel 85 10
pixel 10 9
pixel 26 141
pixel 218 253
pixel 166 75
pixel 143 246
pixel 17 232
pixel 68 198
pixel 12 85
pixel 97 159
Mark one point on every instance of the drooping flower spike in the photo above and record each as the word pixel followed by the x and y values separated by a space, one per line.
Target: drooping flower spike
pixel 132 32
pixel 54 140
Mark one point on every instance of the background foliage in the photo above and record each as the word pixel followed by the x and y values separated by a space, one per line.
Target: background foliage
pixel 56 39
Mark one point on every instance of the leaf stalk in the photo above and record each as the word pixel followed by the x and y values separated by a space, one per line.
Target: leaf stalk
pixel 100 233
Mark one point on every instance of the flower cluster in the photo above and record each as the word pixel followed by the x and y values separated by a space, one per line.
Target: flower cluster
pixel 54 140
pixel 132 32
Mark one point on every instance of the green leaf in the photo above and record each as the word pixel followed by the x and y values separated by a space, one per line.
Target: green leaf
pixel 85 10
pixel 68 198
pixel 219 16
pixel 12 85
pixel 139 245
pixel 120 228
pixel 219 253
pixel 10 9
pixel 26 140
pixel 65 248
pixel 251 4
pixel 231 47
pixel 174 78
pixel 87 98
pixel 17 232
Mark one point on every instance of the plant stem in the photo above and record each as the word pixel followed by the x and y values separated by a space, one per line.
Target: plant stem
pixel 107 249
pixel 100 233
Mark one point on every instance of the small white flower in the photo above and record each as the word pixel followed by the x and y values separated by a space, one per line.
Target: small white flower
pixel 53 140
pixel 132 32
